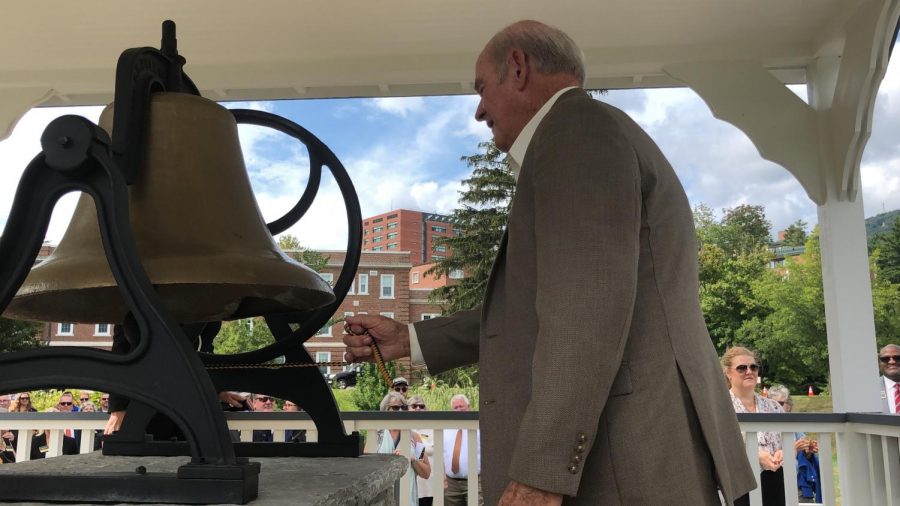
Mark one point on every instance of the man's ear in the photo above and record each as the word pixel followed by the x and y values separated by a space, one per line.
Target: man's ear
pixel 518 68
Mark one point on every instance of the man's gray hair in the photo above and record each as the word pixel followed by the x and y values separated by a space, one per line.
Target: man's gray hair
pixel 461 397
pixel 549 49
pixel 391 396
pixel 779 393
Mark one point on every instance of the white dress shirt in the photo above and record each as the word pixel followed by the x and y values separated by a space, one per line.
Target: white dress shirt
pixel 889 391
pixel 449 442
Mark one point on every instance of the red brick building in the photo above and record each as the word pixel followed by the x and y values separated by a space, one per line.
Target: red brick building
pixel 381 286
pixel 412 231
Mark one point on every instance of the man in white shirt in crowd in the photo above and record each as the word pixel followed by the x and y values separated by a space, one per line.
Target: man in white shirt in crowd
pixel 456 459
pixel 889 364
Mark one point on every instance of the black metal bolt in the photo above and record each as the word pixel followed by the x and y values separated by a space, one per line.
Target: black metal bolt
pixel 140 470
pixel 64 141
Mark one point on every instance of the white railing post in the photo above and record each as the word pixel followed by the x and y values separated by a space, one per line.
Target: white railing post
pixel 87 441
pixel 23 445
pixel 405 485
pixel 751 443
pixel 789 468
pixel 437 468
pixel 876 469
pixel 890 450
pixel 54 445
pixel 472 481
pixel 853 468
pixel 826 476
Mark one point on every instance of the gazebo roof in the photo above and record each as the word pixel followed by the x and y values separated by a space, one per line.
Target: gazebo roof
pixel 320 48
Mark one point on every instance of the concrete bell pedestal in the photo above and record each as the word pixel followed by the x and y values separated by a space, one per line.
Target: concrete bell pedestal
pixel 366 480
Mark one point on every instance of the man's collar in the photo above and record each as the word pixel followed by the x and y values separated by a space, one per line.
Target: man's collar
pixel 520 146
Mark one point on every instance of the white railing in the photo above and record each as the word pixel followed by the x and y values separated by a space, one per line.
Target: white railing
pixel 868 445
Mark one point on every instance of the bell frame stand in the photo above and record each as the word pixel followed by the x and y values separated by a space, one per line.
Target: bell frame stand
pixel 77 156
pixel 305 386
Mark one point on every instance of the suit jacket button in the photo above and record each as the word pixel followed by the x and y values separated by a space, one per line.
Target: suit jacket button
pixel 576 459
pixel 573 468
pixel 582 438
pixel 579 448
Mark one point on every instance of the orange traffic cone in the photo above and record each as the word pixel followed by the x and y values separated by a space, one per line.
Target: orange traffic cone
pixel 811 393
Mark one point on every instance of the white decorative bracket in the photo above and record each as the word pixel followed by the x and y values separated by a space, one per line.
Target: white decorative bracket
pixel 821 147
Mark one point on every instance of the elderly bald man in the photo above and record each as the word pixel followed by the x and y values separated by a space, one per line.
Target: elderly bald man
pixel 599 382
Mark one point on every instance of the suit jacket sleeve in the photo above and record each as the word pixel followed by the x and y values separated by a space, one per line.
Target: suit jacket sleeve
pixel 450 341
pixel 583 165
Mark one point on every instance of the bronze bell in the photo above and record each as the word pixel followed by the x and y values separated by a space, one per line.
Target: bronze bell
pixel 201 237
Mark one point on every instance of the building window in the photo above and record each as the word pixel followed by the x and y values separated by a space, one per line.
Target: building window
pixel 65 329
pixel 326 330
pixel 440 230
pixel 323 356
pixel 415 278
pixel 363 284
pixel 428 316
pixel 392 235
pixel 440 249
pixel 391 225
pixel 457 231
pixel 102 329
pixel 377 230
pixel 392 245
pixel 391 216
pixel 457 274
pixel 437 257
pixel 377 248
pixel 377 220
pixel 377 239
pixel 328 277
pixel 387 286
pixel 366 232
pixel 365 241
pixel 388 314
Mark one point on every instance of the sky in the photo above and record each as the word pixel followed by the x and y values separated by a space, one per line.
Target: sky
pixel 405 153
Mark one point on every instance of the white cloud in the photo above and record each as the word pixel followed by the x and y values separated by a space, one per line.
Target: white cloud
pixel 400 106
pixel 21 147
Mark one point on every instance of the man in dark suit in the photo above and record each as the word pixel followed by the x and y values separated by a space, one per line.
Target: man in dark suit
pixel 889 365
pixel 599 382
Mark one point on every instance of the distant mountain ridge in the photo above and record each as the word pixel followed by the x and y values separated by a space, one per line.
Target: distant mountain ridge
pixel 880 223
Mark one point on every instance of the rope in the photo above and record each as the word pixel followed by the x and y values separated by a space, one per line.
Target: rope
pixel 376 353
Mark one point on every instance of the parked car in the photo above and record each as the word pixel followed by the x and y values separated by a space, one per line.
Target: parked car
pixel 345 379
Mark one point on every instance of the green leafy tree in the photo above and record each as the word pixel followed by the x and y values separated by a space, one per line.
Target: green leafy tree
pixel 290 244
pixel 370 386
pixel 733 255
pixel 18 335
pixel 885 303
pixel 481 218
pixel 887 244
pixel 791 338
pixel 244 335
pixel 795 234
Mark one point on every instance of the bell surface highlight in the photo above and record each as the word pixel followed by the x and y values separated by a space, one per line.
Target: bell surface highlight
pixel 198 229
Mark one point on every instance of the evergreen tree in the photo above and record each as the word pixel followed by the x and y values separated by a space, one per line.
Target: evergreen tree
pixel 18 335
pixel 795 234
pixel 481 218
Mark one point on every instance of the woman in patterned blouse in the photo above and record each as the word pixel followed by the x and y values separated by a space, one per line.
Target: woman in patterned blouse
pixel 741 368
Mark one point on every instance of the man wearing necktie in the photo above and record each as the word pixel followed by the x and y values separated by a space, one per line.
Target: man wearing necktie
pixel 889 364
pixel 599 383
pixel 456 459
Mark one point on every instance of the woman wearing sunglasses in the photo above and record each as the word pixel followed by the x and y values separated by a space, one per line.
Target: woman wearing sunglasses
pixel 741 368
pixel 388 440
